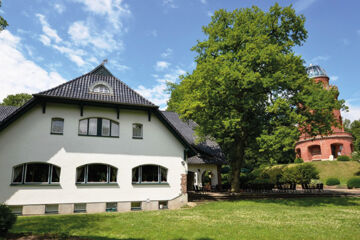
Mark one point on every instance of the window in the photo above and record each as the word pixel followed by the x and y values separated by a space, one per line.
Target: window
pixel 36 173
pixel 57 126
pixel 315 150
pixel 135 206
pixel 96 173
pixel 17 210
pixel 79 207
pixel 111 207
pixel 149 174
pixel 98 127
pixel 101 88
pixel 51 209
pixel 163 204
pixel 137 131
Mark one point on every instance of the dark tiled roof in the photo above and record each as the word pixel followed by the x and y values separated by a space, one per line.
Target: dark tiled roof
pixel 79 89
pixel 209 151
pixel 5 111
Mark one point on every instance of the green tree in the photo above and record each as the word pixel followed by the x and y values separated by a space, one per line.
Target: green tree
pixel 249 91
pixel 16 100
pixel 3 22
pixel 354 129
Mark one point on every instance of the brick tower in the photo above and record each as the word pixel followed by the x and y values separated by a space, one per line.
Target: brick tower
pixel 324 147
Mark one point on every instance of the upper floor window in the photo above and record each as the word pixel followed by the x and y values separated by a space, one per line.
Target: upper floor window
pixel 28 173
pixel 149 174
pixel 98 127
pixel 57 126
pixel 137 131
pixel 101 87
pixel 96 173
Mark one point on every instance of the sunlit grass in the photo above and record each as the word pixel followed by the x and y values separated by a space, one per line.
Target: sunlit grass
pixel 307 218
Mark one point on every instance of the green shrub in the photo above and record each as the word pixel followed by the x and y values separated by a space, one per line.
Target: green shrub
pixel 355 156
pixel 332 181
pixel 343 158
pixel 298 160
pixel 357 173
pixel 353 182
pixel 7 219
pixel 301 174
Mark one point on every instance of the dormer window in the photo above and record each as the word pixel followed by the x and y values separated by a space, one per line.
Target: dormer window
pixel 101 87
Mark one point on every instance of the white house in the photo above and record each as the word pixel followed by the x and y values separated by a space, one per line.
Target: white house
pixel 92 145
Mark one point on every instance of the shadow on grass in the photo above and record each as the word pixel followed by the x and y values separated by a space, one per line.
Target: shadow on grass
pixel 29 236
pixel 311 201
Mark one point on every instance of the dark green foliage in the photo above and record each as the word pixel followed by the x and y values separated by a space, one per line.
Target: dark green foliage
pixel 353 182
pixel 343 158
pixel 247 86
pixel 16 100
pixel 3 22
pixel 332 181
pixel 354 129
pixel 357 173
pixel 300 174
pixel 7 219
pixel 298 160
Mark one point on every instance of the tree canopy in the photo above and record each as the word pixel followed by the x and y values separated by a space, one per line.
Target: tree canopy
pixel 353 128
pixel 3 22
pixel 250 91
pixel 16 100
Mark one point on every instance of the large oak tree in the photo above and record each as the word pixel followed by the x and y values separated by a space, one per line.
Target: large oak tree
pixel 249 90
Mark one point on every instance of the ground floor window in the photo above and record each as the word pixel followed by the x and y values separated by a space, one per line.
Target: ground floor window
pixel 135 206
pixel 149 174
pixel 111 207
pixel 96 173
pixel 51 209
pixel 163 204
pixel 79 207
pixel 315 150
pixel 36 173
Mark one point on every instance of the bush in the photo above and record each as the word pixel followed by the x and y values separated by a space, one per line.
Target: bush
pixel 301 174
pixel 7 219
pixel 343 158
pixel 353 182
pixel 357 173
pixel 298 160
pixel 332 181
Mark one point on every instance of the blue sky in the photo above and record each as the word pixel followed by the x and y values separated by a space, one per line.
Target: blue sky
pixel 147 42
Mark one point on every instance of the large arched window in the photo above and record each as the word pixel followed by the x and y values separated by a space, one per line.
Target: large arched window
pixel 149 174
pixel 36 173
pixel 101 87
pixel 96 173
pixel 98 127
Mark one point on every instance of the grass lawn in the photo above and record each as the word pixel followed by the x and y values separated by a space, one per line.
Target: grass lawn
pixel 304 218
pixel 342 170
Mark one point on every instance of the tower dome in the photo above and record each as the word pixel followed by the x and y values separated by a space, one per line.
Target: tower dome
pixel 314 71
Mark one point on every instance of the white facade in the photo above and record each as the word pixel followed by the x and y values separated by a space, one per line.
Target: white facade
pixel 28 139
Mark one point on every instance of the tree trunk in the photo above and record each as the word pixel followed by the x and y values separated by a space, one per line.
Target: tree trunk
pixel 236 164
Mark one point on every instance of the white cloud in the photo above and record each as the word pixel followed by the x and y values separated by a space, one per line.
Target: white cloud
pixel 45 40
pixel 210 14
pixel 113 9
pixel 161 65
pixel 353 113
pixel 31 79
pixel 169 3
pixel 318 59
pixel 49 32
pixel 83 35
pixel 334 78
pixel 168 52
pixel 118 66
pixel 158 94
pixel 60 8
pixel 302 5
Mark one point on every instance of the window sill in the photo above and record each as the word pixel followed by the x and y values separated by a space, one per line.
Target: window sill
pixel 97 184
pixel 53 133
pixel 35 184
pixel 150 183
pixel 81 135
pixel 137 138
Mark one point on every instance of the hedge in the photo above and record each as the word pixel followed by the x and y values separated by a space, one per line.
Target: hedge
pixel 332 181
pixel 353 182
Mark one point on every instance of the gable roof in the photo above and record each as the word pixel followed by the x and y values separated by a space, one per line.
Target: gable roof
pixel 80 89
pixel 5 111
pixel 209 151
